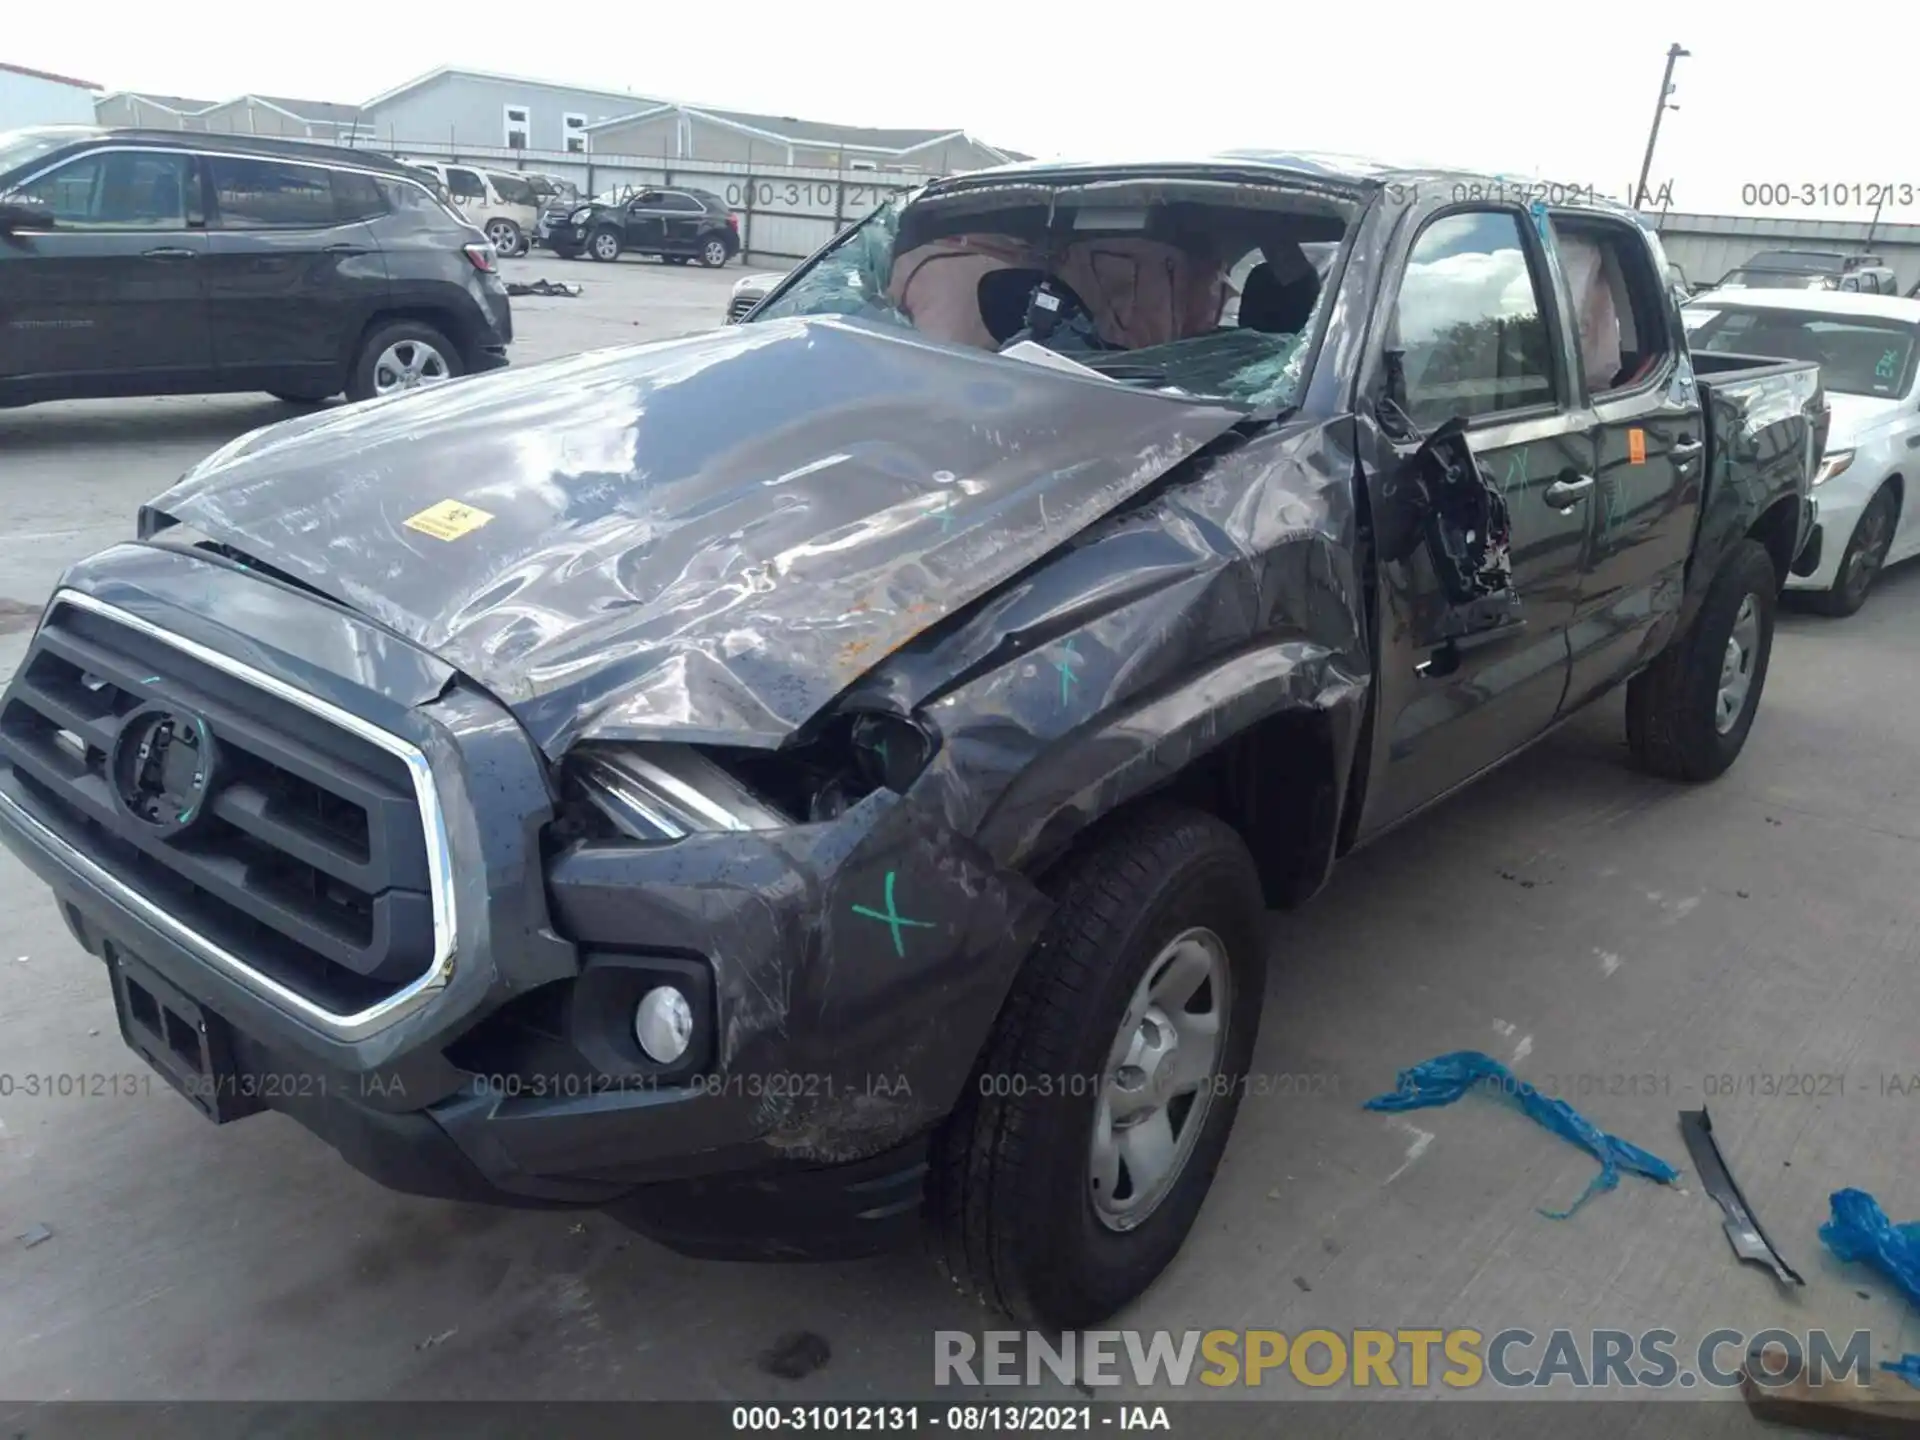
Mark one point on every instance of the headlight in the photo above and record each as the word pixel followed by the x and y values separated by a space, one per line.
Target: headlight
pixel 666 792
pixel 1831 464
pixel 659 793
pixel 577 217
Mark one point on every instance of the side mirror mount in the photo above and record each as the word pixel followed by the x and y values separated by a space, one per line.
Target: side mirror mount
pixel 20 211
pixel 1442 499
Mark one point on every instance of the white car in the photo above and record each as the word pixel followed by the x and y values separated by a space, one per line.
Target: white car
pixel 1867 346
pixel 503 203
pixel 750 290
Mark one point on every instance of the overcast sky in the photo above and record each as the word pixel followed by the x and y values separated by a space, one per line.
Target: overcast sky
pixel 1785 94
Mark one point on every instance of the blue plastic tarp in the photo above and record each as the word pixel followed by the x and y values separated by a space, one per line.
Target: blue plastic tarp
pixel 1445 1078
pixel 1860 1230
pixel 1907 1367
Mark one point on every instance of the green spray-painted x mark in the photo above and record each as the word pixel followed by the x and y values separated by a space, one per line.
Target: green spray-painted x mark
pixel 893 919
pixel 1065 666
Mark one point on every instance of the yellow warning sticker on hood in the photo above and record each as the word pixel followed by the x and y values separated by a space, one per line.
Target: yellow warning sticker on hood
pixel 449 520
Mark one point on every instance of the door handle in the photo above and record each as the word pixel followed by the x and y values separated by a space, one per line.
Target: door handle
pixel 170 252
pixel 1685 448
pixel 346 250
pixel 1565 494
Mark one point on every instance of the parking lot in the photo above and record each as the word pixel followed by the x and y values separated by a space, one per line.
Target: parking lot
pixel 1649 948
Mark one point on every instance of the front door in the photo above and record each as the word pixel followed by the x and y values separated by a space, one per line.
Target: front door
pixel 295 273
pixel 109 298
pixel 1472 320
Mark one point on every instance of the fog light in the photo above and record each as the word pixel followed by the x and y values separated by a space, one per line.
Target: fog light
pixel 663 1024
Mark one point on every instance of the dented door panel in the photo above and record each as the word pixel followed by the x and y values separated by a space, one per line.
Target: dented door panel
pixel 1446 712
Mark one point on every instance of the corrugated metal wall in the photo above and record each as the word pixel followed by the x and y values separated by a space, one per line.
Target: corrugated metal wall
pixel 1707 246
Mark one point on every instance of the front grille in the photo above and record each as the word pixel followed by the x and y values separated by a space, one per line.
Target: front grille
pixel 741 304
pixel 307 857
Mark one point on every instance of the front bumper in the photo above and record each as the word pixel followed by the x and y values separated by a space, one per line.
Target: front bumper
pixel 830 1049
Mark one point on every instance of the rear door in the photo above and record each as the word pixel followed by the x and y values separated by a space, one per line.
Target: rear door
pixel 682 215
pixel 109 298
pixel 1470 309
pixel 646 223
pixel 1651 446
pixel 295 272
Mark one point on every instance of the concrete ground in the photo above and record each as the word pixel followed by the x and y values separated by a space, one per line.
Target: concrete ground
pixel 1636 946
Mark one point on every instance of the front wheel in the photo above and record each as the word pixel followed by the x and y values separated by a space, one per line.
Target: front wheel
pixel 405 355
pixel 1689 712
pixel 1865 557
pixel 1073 1168
pixel 604 243
pixel 713 252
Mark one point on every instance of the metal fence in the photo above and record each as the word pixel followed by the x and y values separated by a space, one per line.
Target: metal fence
pixel 1708 246
pixel 785 213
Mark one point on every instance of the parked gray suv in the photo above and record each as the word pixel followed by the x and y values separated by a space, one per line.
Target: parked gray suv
pixel 162 263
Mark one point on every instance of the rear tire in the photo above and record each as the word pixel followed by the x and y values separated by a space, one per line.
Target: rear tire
pixel 713 252
pixel 407 344
pixel 1689 712
pixel 1026 1216
pixel 506 237
pixel 1865 556
pixel 605 243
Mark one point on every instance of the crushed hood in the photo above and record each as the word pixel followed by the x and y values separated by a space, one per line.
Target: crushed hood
pixel 705 539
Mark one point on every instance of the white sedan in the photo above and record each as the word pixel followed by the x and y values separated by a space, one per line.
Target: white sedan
pixel 1867 347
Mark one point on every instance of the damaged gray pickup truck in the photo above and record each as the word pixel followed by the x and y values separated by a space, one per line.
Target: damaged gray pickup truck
pixel 794 782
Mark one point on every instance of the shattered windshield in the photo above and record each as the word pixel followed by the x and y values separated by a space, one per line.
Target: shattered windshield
pixel 1197 289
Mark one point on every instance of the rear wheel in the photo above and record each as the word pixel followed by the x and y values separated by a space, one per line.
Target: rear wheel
pixel 604 243
pixel 1865 557
pixel 713 252
pixel 1689 712
pixel 506 236
pixel 401 356
pixel 1072 1170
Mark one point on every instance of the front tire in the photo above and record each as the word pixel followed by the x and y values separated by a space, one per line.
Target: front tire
pixel 1689 712
pixel 1070 1173
pixel 1865 556
pixel 604 243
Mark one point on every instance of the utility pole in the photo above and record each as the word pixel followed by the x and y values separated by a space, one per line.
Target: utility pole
pixel 1674 52
pixel 1874 224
